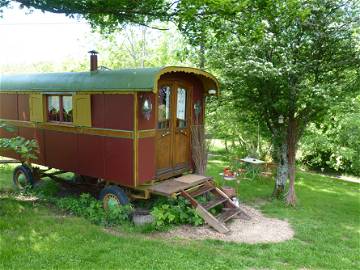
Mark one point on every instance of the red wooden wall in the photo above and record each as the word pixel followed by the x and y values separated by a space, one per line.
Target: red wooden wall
pixel 98 156
pixel 113 111
pixel 146 146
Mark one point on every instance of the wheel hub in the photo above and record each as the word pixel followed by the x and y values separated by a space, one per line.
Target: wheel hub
pixel 110 201
pixel 21 180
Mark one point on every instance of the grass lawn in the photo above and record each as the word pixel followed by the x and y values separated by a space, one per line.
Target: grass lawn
pixel 326 223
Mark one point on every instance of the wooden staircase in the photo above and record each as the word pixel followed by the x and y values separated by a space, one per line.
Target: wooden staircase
pixel 217 197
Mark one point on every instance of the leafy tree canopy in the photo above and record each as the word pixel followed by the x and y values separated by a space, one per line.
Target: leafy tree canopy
pixel 108 14
pixel 294 59
pixel 112 14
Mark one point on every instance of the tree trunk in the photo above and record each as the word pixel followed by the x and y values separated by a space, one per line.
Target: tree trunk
pixel 292 141
pixel 282 171
pixel 232 142
pixel 199 148
pixel 226 146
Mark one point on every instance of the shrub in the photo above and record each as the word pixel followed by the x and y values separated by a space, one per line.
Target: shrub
pixel 165 211
pixel 88 207
pixel 175 211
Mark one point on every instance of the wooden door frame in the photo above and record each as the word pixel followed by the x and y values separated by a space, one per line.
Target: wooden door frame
pixel 168 171
pixel 189 88
pixel 174 84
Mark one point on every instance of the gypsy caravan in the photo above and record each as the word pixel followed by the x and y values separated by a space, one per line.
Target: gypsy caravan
pixel 129 130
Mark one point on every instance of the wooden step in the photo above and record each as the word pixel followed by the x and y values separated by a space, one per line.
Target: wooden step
pixel 218 222
pixel 172 186
pixel 211 220
pixel 228 214
pixel 211 204
pixel 200 191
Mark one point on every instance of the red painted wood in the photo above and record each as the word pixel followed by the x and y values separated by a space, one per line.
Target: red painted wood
pixel 143 123
pixel 98 110
pixel 97 156
pixel 91 155
pixel 38 135
pixel 23 107
pixel 9 134
pixel 8 106
pixel 113 111
pixel 61 150
pixel 119 111
pixel 119 160
pixel 146 160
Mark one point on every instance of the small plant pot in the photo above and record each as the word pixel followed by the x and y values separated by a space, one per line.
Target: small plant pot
pixel 142 217
pixel 229 175
pixel 229 191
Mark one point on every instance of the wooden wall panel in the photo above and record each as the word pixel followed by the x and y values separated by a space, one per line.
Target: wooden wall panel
pixel 91 155
pixel 81 110
pixel 23 107
pixel 119 111
pixel 119 160
pixel 143 122
pixel 8 106
pixel 61 150
pixel 9 134
pixel 98 110
pixel 38 135
pixel 146 160
pixel 113 111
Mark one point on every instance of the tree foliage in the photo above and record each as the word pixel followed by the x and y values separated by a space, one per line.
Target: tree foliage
pixel 295 59
pixel 242 134
pixel 107 15
pixel 334 143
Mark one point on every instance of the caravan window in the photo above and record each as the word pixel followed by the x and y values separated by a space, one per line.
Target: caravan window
pixel 60 108
pixel 164 108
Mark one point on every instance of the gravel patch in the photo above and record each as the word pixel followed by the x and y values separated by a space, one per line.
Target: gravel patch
pixel 259 229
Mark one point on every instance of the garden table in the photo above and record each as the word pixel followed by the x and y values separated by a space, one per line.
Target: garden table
pixel 253 162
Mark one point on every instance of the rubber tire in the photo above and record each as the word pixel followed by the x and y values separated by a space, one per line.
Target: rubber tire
pixel 117 191
pixel 24 169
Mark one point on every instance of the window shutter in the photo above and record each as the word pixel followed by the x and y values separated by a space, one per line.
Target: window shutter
pixel 36 105
pixel 82 110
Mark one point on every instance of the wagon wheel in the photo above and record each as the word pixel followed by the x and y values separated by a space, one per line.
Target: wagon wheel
pixel 113 196
pixel 23 177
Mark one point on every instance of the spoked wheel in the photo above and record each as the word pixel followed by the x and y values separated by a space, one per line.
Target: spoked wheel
pixel 113 196
pixel 23 177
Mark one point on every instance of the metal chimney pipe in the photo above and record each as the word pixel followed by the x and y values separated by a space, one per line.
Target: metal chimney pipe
pixel 93 60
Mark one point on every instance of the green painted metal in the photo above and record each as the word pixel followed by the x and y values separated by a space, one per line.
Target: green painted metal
pixel 101 80
pixel 140 79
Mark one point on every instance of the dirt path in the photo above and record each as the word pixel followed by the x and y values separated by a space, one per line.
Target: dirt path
pixel 259 229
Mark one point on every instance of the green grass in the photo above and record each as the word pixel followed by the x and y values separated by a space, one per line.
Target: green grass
pixel 326 222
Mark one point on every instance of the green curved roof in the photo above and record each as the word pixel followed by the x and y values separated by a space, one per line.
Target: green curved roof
pixel 140 79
